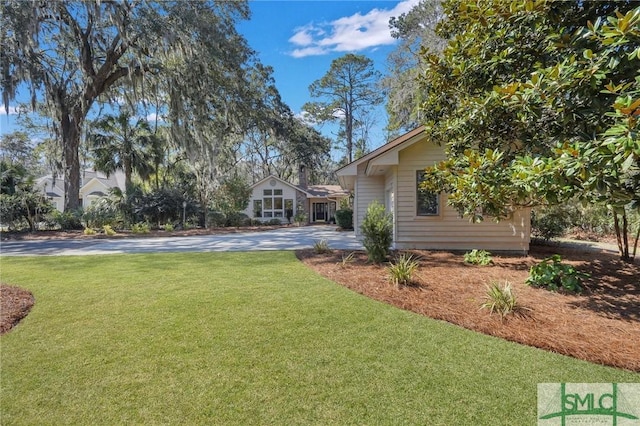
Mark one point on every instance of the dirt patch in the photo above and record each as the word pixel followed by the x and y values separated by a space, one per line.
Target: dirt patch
pixel 601 325
pixel 15 304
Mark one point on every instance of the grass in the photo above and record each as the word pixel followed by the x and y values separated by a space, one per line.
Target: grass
pixel 250 338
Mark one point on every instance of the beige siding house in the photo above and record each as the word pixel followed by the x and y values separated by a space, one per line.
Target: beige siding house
pixel 391 175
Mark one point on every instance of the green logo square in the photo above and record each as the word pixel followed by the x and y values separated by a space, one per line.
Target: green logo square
pixel 616 404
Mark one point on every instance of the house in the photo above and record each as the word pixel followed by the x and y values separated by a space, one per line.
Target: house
pixel 391 175
pixel 93 186
pixel 274 198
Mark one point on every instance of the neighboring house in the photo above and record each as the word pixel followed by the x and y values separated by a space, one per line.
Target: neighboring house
pixel 391 175
pixel 274 198
pixel 93 186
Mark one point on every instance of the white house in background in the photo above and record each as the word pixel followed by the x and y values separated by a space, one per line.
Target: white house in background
pixel 391 175
pixel 93 186
pixel 274 198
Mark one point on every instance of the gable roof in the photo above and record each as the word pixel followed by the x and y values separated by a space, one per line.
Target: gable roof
pixel 311 191
pixel 386 155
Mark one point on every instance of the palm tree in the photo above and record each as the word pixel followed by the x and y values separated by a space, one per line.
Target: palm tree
pixel 117 144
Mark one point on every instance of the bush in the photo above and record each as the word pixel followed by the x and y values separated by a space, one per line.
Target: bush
pixel 500 300
pixel 478 257
pixel 236 219
pixel 89 231
pixel 552 274
pixel 300 217
pixel 377 230
pixel 108 230
pixel 101 212
pixel 401 272
pixel 275 221
pixel 344 218
pixel 140 228
pixel 217 219
pixel 169 227
pixel 321 247
pixel 68 220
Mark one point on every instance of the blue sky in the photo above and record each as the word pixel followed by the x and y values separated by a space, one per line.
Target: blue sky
pixel 300 38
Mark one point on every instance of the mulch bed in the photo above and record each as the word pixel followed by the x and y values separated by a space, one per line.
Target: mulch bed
pixel 15 304
pixel 601 325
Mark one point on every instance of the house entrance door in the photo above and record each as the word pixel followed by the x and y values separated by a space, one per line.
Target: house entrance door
pixel 319 212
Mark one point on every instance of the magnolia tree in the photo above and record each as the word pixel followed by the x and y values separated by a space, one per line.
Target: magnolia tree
pixel 537 103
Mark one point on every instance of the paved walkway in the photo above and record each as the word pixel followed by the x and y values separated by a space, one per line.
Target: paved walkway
pixel 293 238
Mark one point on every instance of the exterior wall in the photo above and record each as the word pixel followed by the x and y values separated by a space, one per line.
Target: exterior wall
pixel 92 186
pixel 288 192
pixel 390 199
pixel 447 230
pixel 368 189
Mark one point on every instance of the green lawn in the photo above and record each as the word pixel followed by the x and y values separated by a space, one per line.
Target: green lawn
pixel 250 338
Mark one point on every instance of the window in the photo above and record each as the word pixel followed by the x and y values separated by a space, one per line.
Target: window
pixel 273 203
pixel 257 208
pixel 427 203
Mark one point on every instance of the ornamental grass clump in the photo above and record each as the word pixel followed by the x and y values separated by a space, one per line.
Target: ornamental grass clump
pixel 500 300
pixel 401 271
pixel 377 230
pixel 321 247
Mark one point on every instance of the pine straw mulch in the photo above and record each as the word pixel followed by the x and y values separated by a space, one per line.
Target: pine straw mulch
pixel 602 325
pixel 15 304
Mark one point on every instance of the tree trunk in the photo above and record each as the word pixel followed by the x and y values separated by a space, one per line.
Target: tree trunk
pixel 621 235
pixel 70 126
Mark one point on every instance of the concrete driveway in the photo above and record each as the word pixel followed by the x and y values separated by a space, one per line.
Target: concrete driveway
pixel 293 238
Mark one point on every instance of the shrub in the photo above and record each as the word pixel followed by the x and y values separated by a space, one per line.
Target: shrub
pixel 300 217
pixel 108 230
pixel 169 227
pixel 550 222
pixel 89 231
pixel 344 218
pixel 401 272
pixel 217 219
pixel 68 220
pixel 552 274
pixel 101 212
pixel 140 228
pixel 321 247
pixel 236 219
pixel 500 300
pixel 377 230
pixel 275 221
pixel 478 257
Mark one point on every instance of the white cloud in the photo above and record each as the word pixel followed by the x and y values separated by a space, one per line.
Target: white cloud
pixel 306 118
pixel 13 110
pixel 153 117
pixel 349 33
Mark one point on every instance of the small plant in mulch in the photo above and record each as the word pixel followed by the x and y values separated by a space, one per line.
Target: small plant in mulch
pixel 553 275
pixel 347 259
pixel 108 230
pixel 478 257
pixel 321 247
pixel 500 300
pixel 401 271
pixel 89 231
